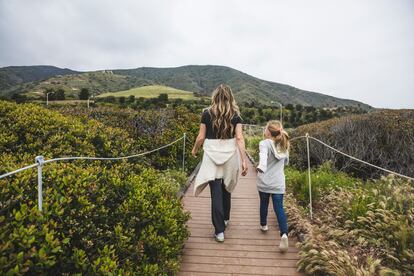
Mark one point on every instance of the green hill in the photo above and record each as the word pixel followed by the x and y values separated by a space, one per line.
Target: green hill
pixel 14 75
pixel 96 82
pixel 151 91
pixel 204 78
pixel 194 78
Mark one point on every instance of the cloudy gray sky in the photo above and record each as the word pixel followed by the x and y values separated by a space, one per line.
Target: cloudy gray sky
pixel 362 50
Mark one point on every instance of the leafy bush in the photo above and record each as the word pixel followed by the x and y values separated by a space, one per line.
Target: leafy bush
pixel 31 129
pixel 98 218
pixel 149 128
pixel 252 146
pixel 383 138
pixel 324 178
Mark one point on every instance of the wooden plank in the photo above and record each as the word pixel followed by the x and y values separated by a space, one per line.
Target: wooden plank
pixel 227 268
pixel 235 241
pixel 276 255
pixel 239 261
pixel 236 247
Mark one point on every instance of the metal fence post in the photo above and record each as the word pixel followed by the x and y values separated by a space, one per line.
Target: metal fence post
pixel 40 161
pixel 185 135
pixel 309 177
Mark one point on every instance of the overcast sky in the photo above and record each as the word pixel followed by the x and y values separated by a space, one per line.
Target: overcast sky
pixel 361 50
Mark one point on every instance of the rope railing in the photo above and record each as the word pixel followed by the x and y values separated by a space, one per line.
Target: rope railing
pixel 250 129
pixel 307 137
pixel 40 161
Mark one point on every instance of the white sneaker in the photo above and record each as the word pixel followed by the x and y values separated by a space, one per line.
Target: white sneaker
pixel 264 228
pixel 284 244
pixel 226 222
pixel 219 237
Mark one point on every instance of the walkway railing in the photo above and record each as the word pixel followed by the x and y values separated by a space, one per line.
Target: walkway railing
pixel 40 162
pixel 307 137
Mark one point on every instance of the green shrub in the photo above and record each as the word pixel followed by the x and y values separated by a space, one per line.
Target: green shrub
pixel 93 220
pixel 323 179
pixel 252 146
pixel 98 217
pixel 31 129
pixel 149 128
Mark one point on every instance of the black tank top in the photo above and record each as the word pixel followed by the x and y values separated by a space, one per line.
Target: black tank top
pixel 210 133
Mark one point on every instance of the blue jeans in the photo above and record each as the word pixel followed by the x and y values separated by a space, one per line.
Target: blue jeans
pixel 277 207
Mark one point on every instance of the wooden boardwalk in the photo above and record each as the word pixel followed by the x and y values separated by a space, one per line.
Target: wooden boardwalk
pixel 246 250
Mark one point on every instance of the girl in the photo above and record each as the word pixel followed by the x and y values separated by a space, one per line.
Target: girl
pixel 274 155
pixel 222 139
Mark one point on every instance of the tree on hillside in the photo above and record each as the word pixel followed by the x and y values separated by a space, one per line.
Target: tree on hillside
pixel 309 108
pixel 110 99
pixel 84 94
pixel 60 94
pixel 51 93
pixel 163 97
pixel 289 106
pixel 19 98
pixel 323 114
pixel 122 100
pixel 131 99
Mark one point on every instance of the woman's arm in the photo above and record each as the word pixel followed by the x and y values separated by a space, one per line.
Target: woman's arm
pixel 199 140
pixel 242 147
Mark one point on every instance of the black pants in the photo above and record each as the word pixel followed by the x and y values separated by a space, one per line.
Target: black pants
pixel 220 204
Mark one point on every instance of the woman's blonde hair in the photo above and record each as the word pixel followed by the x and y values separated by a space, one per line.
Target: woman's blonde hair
pixel 223 108
pixel 279 135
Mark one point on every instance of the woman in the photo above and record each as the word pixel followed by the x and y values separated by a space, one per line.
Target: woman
pixel 221 134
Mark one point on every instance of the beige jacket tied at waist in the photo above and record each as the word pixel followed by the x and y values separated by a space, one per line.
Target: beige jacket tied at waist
pixel 220 160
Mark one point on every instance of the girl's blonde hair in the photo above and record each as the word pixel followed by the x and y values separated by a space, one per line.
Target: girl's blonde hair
pixel 223 108
pixel 279 135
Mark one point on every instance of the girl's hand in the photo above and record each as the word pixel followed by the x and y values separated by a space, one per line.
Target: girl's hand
pixel 259 170
pixel 194 152
pixel 244 168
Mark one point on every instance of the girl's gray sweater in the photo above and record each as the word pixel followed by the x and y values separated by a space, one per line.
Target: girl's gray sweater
pixel 272 162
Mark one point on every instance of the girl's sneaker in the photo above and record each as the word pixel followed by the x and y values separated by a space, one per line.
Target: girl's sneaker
pixel 284 243
pixel 219 237
pixel 226 222
pixel 264 228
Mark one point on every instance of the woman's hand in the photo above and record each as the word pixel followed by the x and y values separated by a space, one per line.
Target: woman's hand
pixel 194 152
pixel 199 140
pixel 244 168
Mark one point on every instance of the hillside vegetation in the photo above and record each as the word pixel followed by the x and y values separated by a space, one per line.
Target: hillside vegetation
pixel 95 82
pixel 200 79
pixel 383 138
pixel 14 75
pixel 152 91
pixel 205 78
pixel 149 129
pixel 120 217
pixel 359 227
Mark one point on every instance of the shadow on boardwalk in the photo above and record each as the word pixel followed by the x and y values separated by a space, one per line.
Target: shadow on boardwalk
pixel 246 250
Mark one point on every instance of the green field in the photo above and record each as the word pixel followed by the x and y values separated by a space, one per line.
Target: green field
pixel 152 91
